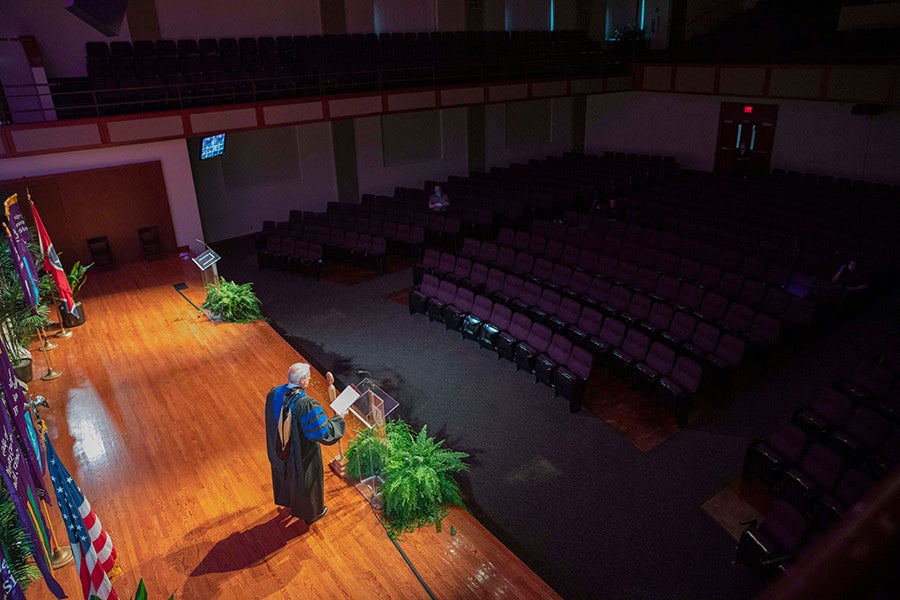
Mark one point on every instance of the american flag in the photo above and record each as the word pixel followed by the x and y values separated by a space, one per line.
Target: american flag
pixel 95 556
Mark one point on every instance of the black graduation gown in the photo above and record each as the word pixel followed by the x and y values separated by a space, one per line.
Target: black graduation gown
pixel 298 482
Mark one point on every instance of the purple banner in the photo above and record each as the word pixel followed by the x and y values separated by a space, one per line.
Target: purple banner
pixel 16 478
pixel 14 399
pixel 18 235
pixel 11 588
pixel 15 218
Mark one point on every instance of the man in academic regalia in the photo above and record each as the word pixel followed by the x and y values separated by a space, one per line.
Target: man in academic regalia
pixel 295 426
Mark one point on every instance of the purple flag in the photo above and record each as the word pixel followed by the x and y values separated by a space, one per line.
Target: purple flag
pixel 15 406
pixel 16 479
pixel 17 235
pixel 8 584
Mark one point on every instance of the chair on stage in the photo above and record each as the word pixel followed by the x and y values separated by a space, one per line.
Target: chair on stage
pixel 101 254
pixel 149 237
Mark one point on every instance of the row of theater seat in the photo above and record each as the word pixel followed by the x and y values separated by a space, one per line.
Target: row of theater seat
pixel 810 220
pixel 550 356
pixel 822 463
pixel 647 245
pixel 401 238
pixel 561 299
pixel 717 296
pixel 152 75
pixel 541 337
pixel 613 293
pixel 288 254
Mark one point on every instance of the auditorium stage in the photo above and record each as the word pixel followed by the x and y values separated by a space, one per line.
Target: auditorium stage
pixel 158 415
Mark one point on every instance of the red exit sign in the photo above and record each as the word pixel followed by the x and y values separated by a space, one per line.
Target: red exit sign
pixel 748 109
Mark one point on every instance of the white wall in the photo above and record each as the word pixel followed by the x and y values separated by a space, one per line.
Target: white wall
pixel 816 137
pixel 682 125
pixel 825 138
pixel 176 168
pixel 375 178
pixel 398 16
pixel 213 18
pixel 60 34
pixel 497 153
pixel 523 15
pixel 263 175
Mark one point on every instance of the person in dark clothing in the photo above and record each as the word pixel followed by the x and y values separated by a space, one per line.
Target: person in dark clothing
pixel 614 210
pixel 849 277
pixel 295 427
pixel 854 286
pixel 438 201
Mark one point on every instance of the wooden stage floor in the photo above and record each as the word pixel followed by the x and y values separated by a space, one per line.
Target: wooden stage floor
pixel 159 417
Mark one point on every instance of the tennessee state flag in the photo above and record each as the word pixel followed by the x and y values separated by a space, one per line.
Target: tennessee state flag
pixel 52 264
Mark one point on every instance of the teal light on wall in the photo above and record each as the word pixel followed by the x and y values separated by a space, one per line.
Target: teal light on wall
pixel 737 142
pixel 641 22
pixel 753 137
pixel 552 16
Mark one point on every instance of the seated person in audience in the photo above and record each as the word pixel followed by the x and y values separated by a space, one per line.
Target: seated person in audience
pixel 614 210
pixel 849 277
pixel 438 202
pixel 854 286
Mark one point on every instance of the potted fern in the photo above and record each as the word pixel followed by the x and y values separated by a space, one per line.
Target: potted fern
pixel 419 487
pixel 77 275
pixel 232 302
pixel 18 322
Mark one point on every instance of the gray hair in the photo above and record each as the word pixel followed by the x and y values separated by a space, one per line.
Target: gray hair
pixel 297 372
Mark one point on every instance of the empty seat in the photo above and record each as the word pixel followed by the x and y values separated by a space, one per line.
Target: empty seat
pixel 816 473
pixel 863 432
pixel 507 341
pixel 767 547
pixel 445 295
pixel 150 243
pixel 101 253
pixel 829 411
pixel 768 458
pixel 537 342
pixel 557 354
pixel 418 297
pixel 676 391
pixel 849 490
pixel 658 363
pixel 634 349
pixel 480 314
pixel 570 378
pixel 501 318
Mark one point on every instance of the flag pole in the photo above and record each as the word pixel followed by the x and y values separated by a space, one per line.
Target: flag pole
pixel 47 345
pixel 51 372
pixel 60 556
pixel 63 332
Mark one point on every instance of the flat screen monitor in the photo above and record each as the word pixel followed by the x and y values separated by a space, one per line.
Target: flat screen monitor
pixel 211 146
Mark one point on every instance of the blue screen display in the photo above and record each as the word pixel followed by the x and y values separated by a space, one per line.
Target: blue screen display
pixel 213 145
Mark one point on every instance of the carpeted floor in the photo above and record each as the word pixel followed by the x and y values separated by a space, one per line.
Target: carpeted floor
pixel 582 506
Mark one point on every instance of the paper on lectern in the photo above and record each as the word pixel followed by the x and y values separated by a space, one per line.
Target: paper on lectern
pixel 342 403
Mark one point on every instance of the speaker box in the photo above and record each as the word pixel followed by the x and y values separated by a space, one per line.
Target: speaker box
pixel 867 109
pixel 103 15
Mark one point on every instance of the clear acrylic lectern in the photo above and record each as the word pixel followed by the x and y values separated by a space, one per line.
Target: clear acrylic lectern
pixel 371 407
